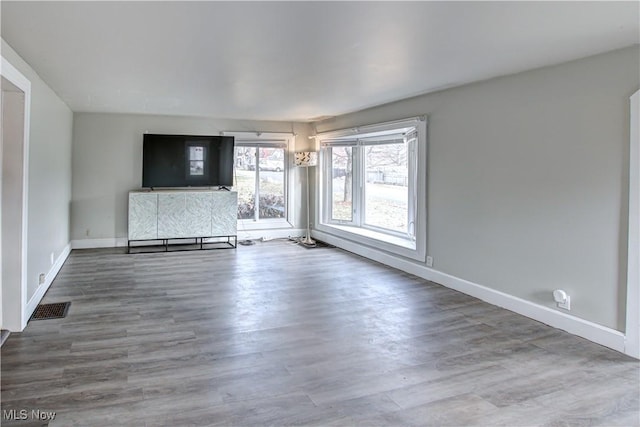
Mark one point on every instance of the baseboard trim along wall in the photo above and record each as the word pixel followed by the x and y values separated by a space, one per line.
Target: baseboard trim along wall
pixel 264 234
pixel 48 279
pixel 583 328
pixel 111 242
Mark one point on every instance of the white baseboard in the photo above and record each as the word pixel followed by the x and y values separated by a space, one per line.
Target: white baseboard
pixel 111 242
pixel 270 234
pixel 592 331
pixel 267 234
pixel 48 279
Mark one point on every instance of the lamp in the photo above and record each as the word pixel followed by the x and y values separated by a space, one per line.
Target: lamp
pixel 305 159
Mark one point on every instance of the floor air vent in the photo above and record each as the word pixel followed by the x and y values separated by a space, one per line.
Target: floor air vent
pixel 56 310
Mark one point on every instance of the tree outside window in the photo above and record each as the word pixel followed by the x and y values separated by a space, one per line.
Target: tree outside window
pixel 260 182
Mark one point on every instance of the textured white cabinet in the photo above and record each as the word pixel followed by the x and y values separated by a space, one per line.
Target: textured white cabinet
pixel 172 222
pixel 182 214
pixel 224 213
pixel 143 216
pixel 198 214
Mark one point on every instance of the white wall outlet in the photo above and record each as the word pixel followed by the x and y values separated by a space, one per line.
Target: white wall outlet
pixel 53 258
pixel 41 278
pixel 562 299
pixel 429 261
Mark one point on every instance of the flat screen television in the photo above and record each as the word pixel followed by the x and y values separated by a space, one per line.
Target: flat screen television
pixel 187 161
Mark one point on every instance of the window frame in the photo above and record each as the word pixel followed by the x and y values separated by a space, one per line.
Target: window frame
pixel 268 140
pixel 189 161
pixel 411 244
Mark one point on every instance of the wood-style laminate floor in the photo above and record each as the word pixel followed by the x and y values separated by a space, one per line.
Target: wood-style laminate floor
pixel 276 334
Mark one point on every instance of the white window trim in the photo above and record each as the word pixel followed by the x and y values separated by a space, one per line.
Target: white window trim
pixel 367 236
pixel 288 139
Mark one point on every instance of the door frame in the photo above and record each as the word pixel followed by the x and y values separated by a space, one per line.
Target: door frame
pixel 632 330
pixel 14 295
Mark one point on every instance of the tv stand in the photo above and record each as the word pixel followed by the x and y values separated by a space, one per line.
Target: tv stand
pixel 166 220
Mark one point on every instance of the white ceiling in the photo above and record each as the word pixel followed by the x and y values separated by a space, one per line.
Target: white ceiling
pixel 294 60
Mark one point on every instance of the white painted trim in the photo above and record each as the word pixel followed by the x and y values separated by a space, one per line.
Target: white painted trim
pixel 267 224
pixel 362 235
pixel 112 242
pixel 260 136
pixel 289 140
pixel 44 287
pixel 574 325
pixel 376 127
pixel 25 201
pixel 118 242
pixel 12 74
pixel 632 330
pixel 4 334
pixel 391 243
pixel 271 234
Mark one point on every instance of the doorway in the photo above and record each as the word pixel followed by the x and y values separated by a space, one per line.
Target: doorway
pixel 15 107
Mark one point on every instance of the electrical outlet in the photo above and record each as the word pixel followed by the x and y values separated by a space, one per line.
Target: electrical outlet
pixel 429 261
pixel 52 258
pixel 41 278
pixel 566 304
pixel 562 299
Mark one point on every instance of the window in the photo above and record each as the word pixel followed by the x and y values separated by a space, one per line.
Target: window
pixel 196 160
pixel 261 179
pixel 386 188
pixel 373 185
pixel 341 183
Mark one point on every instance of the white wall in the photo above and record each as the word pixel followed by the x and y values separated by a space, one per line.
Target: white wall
pixel 107 164
pixel 49 174
pixel 527 186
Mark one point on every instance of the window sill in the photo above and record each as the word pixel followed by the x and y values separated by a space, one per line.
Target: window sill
pixel 394 244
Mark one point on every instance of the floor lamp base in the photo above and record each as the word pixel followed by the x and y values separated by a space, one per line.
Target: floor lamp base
pixel 307 241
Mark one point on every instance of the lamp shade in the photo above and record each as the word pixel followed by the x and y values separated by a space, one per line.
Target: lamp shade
pixel 306 158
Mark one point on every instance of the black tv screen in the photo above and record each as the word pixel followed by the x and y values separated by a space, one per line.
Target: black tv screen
pixel 187 161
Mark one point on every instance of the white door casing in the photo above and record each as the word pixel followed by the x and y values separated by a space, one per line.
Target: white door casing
pixel 632 330
pixel 16 100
